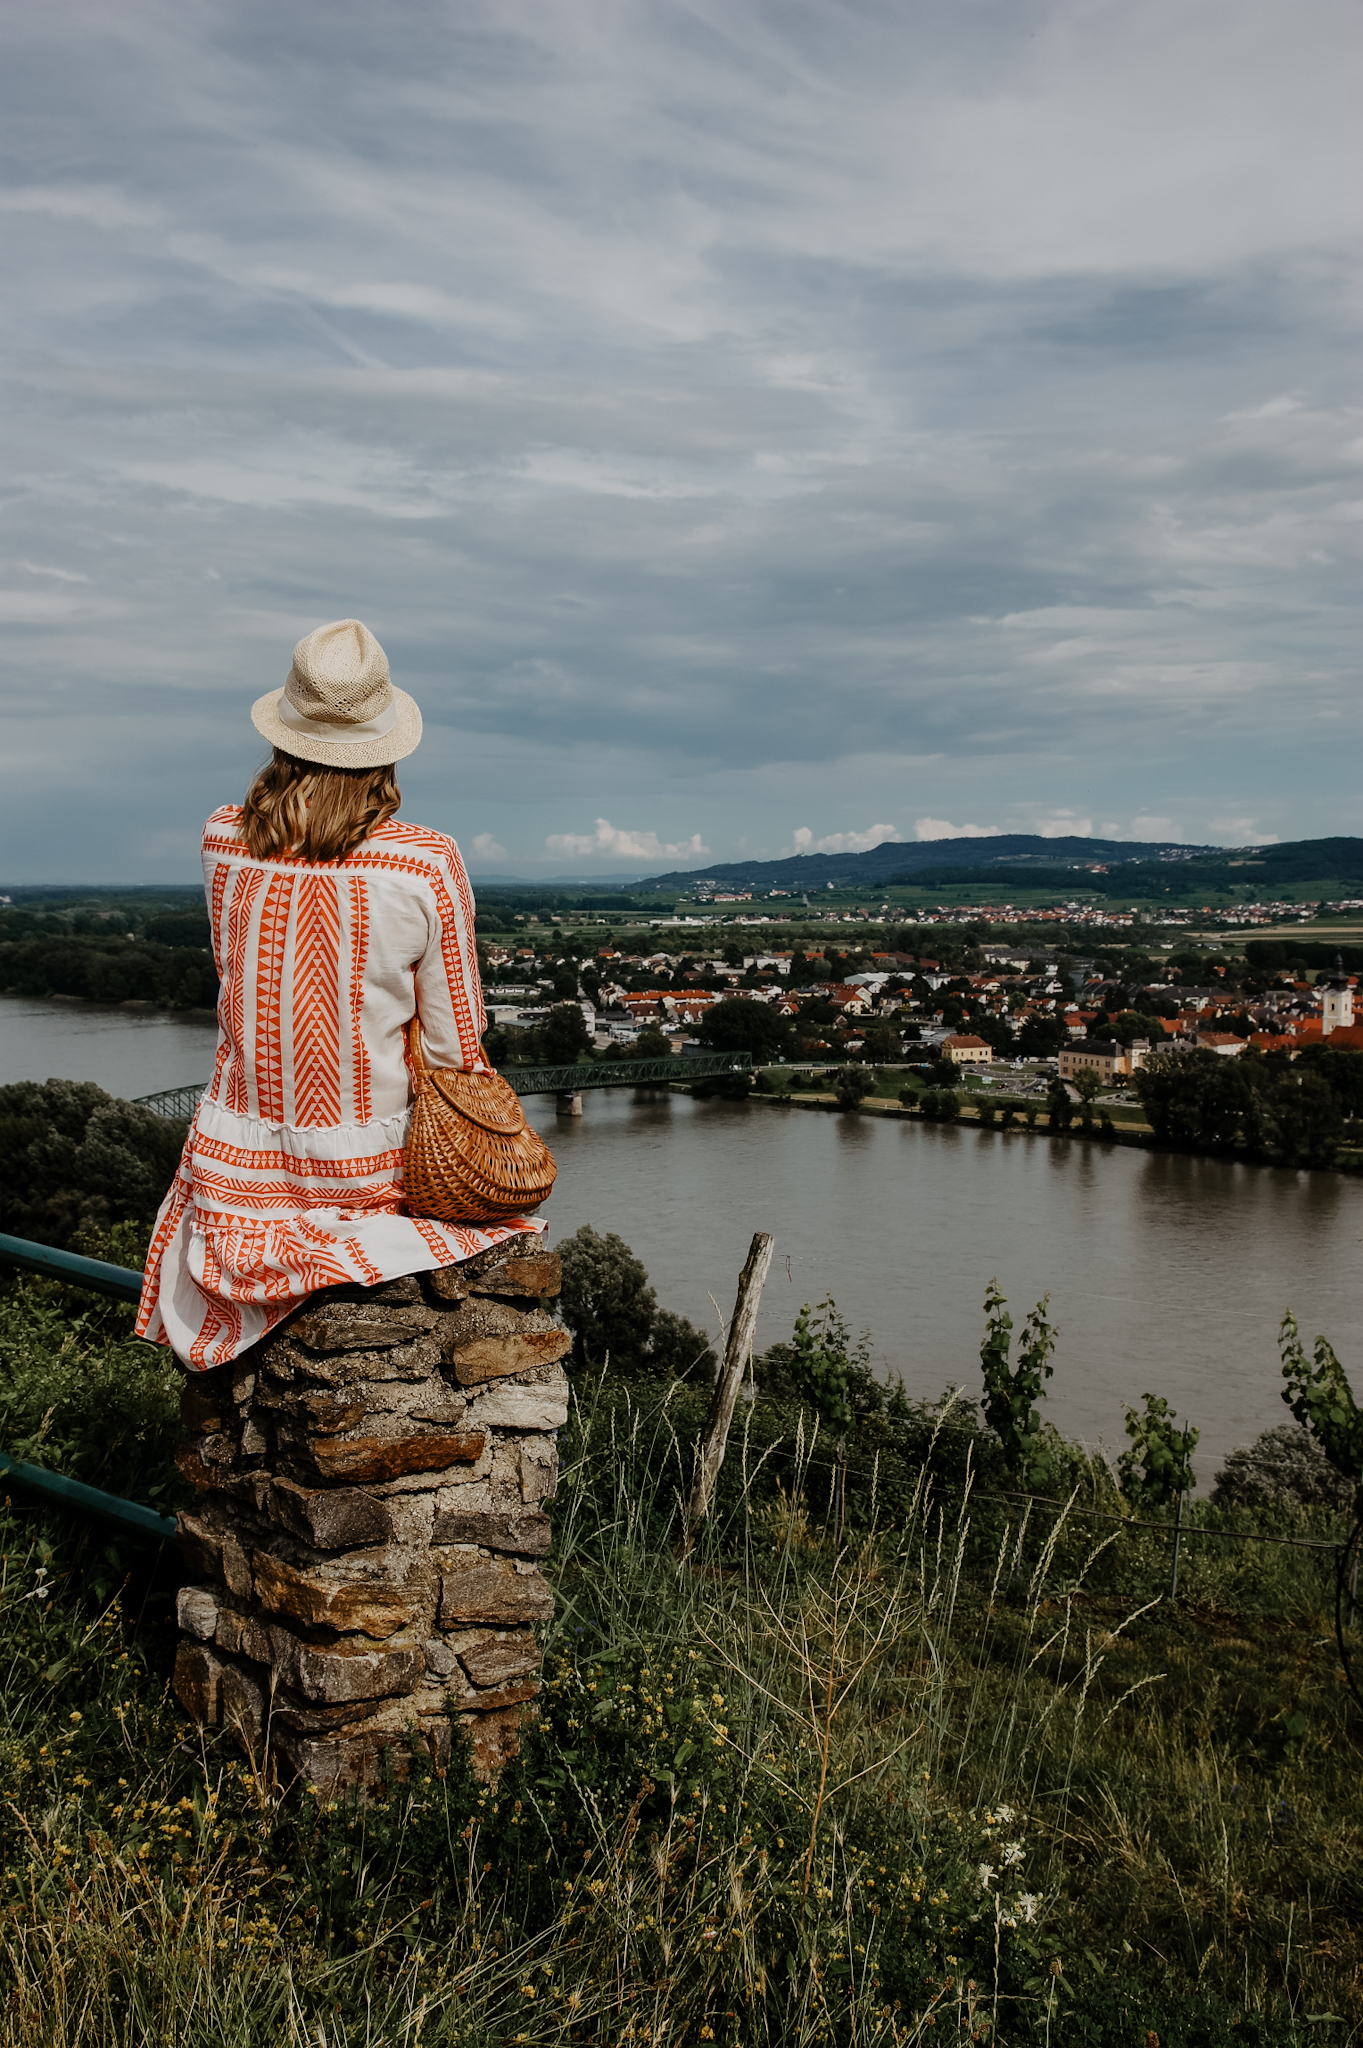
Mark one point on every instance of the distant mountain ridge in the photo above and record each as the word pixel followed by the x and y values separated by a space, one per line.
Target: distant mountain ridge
pixel 1014 856
pixel 893 858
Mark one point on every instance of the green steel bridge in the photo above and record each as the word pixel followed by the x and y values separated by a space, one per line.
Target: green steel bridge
pixel 180 1103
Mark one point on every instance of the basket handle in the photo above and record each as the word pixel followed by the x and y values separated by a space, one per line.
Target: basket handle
pixel 421 1073
pixel 420 1076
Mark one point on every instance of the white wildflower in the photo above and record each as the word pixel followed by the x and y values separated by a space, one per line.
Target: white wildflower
pixel 984 1876
pixel 1013 1852
pixel 1029 1905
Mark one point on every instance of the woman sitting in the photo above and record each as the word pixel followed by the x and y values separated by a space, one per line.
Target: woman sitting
pixel 333 925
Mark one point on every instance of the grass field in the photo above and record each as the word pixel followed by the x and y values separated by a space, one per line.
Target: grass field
pixel 959 1773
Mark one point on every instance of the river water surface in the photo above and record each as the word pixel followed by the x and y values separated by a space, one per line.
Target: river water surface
pixel 1164 1273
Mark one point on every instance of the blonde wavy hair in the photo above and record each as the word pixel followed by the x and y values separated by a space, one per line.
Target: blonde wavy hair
pixel 320 814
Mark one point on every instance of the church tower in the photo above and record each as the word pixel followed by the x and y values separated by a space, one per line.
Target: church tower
pixel 1336 1001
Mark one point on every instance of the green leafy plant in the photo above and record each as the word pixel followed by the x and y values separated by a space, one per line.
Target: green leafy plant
pixel 1319 1395
pixel 1158 1466
pixel 822 1367
pixel 1012 1389
pixel 821 1363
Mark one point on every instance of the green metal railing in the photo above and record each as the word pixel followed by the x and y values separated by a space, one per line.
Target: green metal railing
pixel 72 1267
pixel 54 1487
pixel 180 1103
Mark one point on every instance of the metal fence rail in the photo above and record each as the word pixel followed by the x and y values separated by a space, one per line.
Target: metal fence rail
pixel 626 1073
pixel 72 1267
pixel 177 1103
pixel 180 1103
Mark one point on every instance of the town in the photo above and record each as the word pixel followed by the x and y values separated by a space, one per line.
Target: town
pixel 990 1003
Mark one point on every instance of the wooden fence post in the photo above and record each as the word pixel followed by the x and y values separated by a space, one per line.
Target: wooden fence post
pixel 715 1436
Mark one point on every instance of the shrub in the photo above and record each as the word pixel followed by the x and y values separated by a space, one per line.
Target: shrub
pixel 101 1408
pixel 74 1159
pixel 1283 1467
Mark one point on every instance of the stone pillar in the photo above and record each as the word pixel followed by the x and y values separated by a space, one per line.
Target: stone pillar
pixel 568 1105
pixel 363 1552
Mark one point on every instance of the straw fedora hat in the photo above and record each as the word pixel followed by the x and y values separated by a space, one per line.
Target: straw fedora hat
pixel 339 706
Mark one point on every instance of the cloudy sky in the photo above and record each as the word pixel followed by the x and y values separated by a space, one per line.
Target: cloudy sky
pixel 747 424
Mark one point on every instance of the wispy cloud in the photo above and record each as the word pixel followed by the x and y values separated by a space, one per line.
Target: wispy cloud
pixel 844 842
pixel 631 846
pixel 942 828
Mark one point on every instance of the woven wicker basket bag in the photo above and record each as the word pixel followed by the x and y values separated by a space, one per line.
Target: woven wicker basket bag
pixel 470 1155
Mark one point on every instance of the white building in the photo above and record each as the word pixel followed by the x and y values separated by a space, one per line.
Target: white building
pixel 1336 1001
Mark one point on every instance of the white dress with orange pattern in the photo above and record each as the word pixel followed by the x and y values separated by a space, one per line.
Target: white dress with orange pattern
pixel 291 1177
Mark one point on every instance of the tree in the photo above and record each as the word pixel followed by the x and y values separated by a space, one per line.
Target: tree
pixel 851 1085
pixel 1294 1119
pixel 882 1043
pixel 1088 1084
pixel 678 1350
pixel 612 1311
pixel 1041 1038
pixel 1059 1107
pixel 1011 1391
pixel 737 1024
pixel 1129 1025
pixel 1196 1100
pixel 997 1035
pixel 1342 1073
pixel 651 1044
pixel 563 1036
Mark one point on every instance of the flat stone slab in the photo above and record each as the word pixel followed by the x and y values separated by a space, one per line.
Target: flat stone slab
pixel 523 1535
pixel 372 1459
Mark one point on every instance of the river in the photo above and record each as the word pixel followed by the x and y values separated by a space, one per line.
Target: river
pixel 1165 1273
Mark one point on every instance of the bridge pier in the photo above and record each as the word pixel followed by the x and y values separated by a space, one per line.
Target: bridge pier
pixel 568 1105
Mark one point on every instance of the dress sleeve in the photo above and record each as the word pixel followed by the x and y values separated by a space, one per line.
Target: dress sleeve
pixel 449 994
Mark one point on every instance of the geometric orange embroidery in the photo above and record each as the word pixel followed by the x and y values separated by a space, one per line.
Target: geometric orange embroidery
pixel 361 1100
pixel 239 910
pixel 316 1003
pixel 274 926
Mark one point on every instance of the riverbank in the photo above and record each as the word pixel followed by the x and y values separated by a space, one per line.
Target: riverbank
pixel 1128 1129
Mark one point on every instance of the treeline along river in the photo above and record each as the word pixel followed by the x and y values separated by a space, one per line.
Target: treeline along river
pixel 1165 1272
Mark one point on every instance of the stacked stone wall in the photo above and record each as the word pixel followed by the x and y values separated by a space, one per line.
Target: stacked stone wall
pixel 364 1553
